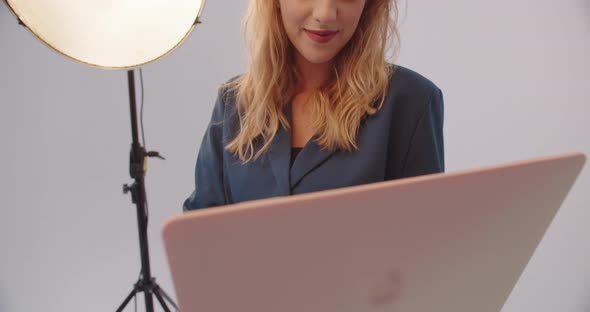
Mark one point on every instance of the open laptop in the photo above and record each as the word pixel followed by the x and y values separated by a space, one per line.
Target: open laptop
pixel 454 242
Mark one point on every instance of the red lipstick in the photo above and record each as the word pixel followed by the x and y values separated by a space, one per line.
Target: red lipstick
pixel 321 36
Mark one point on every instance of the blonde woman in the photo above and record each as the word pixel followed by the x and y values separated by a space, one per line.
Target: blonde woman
pixel 318 107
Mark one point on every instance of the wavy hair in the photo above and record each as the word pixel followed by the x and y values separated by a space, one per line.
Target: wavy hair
pixel 360 78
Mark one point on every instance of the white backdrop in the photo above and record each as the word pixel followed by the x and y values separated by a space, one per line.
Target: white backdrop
pixel 515 79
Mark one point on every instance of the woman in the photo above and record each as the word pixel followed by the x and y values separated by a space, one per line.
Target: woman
pixel 318 107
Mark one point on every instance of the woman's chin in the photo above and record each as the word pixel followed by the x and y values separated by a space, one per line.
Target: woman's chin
pixel 319 59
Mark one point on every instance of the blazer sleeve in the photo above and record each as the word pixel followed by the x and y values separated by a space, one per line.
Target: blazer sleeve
pixel 425 153
pixel 209 170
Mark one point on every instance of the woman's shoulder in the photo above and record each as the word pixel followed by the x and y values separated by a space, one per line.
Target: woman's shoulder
pixel 410 93
pixel 405 81
pixel 227 90
pixel 225 104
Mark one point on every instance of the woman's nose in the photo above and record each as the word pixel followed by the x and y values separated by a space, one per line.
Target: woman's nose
pixel 325 11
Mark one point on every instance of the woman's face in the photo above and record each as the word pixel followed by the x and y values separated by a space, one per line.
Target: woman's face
pixel 319 29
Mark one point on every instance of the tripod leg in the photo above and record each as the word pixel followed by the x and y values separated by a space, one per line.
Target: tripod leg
pixel 166 297
pixel 126 301
pixel 162 302
pixel 149 303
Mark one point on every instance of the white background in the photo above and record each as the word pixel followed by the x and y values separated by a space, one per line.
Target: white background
pixel 515 75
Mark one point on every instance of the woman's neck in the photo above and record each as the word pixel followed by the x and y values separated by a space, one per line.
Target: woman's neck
pixel 313 75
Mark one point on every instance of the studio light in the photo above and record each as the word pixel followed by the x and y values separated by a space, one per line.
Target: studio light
pixel 121 34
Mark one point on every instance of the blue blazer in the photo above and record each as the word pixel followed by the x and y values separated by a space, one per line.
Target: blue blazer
pixel 403 139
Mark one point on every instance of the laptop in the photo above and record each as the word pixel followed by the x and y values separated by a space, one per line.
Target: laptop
pixel 452 242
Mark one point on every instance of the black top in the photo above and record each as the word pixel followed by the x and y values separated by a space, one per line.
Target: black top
pixel 294 152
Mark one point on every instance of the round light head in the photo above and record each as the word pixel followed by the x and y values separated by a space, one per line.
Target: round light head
pixel 113 34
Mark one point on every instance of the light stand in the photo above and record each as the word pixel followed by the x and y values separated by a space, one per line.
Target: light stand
pixel 134 44
pixel 146 283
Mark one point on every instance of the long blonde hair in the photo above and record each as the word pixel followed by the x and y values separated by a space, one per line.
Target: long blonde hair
pixel 361 76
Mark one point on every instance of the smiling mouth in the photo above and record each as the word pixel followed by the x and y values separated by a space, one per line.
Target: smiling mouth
pixel 321 36
pixel 323 33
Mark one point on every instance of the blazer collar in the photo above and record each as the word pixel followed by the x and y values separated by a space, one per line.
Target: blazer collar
pixel 311 156
pixel 279 156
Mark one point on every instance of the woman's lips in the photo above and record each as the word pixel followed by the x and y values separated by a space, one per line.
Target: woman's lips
pixel 321 36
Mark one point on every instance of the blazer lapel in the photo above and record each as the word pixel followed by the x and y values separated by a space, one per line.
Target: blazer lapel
pixel 279 156
pixel 279 153
pixel 311 156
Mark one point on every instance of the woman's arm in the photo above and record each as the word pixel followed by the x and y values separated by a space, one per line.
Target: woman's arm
pixel 209 171
pixel 425 153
